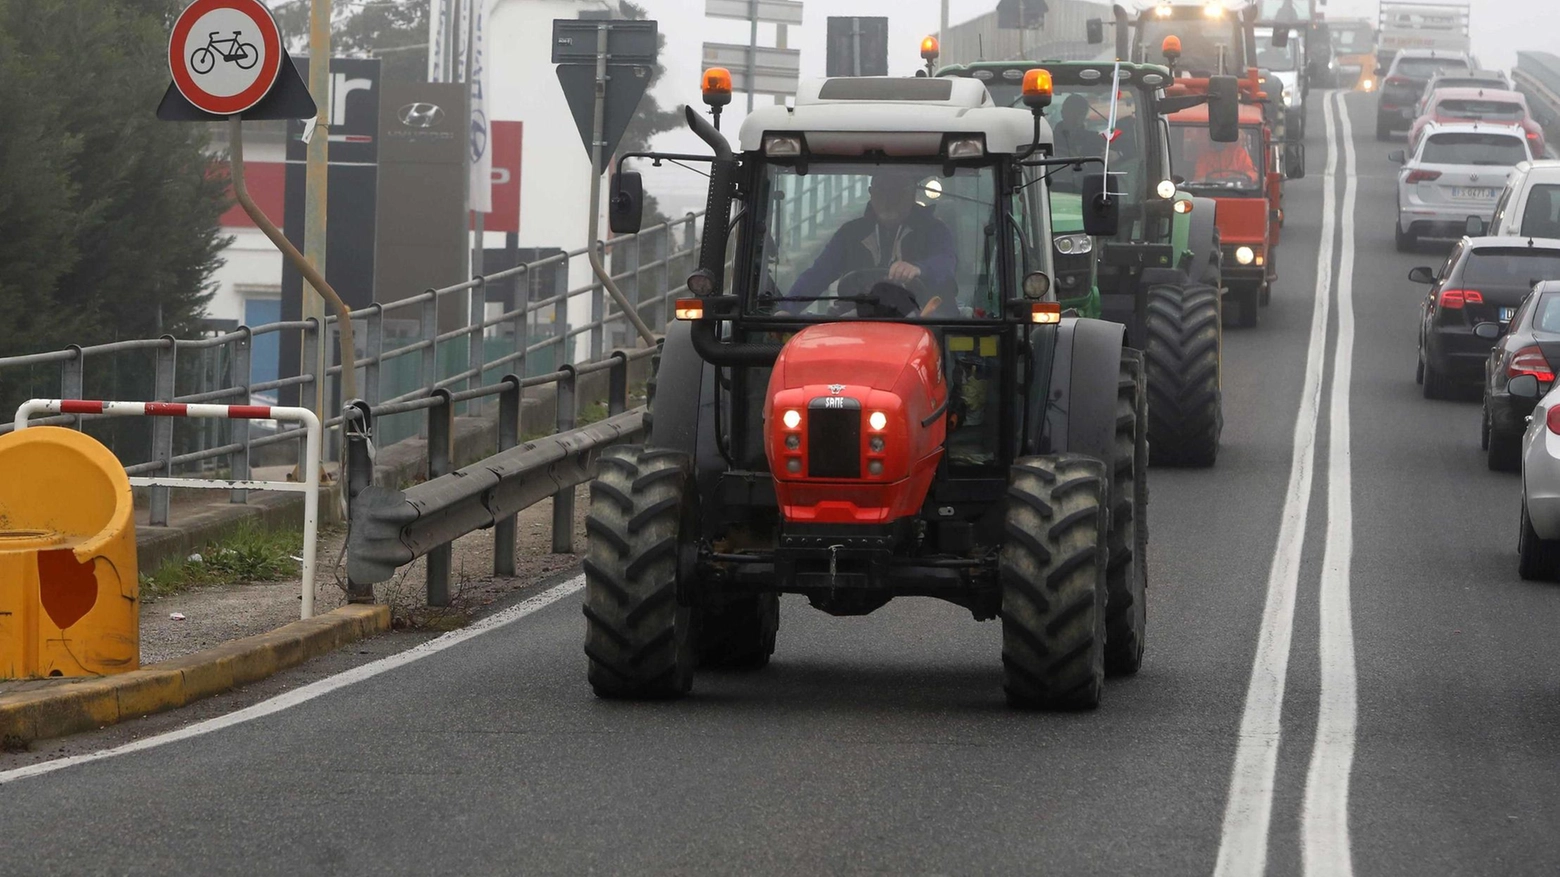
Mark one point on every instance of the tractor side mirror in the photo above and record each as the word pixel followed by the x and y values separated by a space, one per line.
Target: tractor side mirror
pixel 1397 156
pixel 1523 386
pixel 626 207
pixel 1422 274
pixel 1474 227
pixel 1101 205
pixel 1096 31
pixel 1223 109
pixel 1280 37
pixel 1294 161
pixel 1488 331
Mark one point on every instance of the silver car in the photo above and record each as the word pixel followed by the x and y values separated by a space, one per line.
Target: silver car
pixel 1454 175
pixel 1538 544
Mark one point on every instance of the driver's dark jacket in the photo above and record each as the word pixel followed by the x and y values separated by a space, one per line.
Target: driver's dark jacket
pixel 922 240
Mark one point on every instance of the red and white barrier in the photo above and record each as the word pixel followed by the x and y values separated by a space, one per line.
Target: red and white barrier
pixel 310 487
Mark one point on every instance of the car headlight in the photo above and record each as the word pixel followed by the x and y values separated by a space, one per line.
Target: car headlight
pixel 1289 97
pixel 1245 256
pixel 1074 244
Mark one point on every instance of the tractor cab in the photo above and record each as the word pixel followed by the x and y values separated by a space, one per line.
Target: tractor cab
pixel 871 392
pixel 1215 40
pixel 1242 178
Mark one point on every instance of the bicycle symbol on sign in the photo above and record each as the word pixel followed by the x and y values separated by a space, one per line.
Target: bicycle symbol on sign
pixel 245 55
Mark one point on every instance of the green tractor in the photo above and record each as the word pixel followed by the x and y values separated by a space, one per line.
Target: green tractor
pixel 1160 274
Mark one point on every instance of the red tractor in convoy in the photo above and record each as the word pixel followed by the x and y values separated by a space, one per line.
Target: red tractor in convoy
pixel 890 406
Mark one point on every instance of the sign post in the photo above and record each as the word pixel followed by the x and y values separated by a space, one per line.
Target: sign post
pixel 227 61
pixel 632 46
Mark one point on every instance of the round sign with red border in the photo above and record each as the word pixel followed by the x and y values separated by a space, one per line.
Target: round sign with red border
pixel 225 54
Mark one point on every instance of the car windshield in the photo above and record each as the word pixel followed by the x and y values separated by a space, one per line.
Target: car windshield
pixel 889 240
pixel 1541 217
pixel 1458 147
pixel 1493 110
pixel 1201 41
pixel 1510 266
pixel 1204 164
pixel 1352 40
pixel 1424 68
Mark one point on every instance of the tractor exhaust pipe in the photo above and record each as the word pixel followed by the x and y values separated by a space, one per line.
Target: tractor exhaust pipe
pixel 712 254
pixel 1123 33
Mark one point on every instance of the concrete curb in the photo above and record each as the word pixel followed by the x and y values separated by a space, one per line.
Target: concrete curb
pixel 72 707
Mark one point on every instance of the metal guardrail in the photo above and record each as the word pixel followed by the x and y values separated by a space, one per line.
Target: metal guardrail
pixel 1537 75
pixel 390 528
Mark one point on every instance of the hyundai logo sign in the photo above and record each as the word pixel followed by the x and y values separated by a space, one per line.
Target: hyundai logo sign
pixel 421 115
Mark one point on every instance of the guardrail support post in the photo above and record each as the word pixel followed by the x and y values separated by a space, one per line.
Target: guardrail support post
pixel 476 352
pixel 359 474
pixel 71 379
pixel 563 500
pixel 374 353
pixel 428 328
pixel 598 308
pixel 238 461
pixel 307 391
pixel 508 437
pixel 522 309
pixel 617 384
pixel 441 438
pixel 162 428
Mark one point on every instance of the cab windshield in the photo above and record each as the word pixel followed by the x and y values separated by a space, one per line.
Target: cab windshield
pixel 1351 40
pixel 1278 59
pixel 1209 166
pixel 1079 115
pixel 899 241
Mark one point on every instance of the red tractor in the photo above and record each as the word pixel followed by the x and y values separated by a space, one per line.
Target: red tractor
pixel 887 405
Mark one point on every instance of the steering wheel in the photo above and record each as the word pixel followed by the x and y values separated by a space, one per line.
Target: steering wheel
pixel 893 298
pixel 1230 174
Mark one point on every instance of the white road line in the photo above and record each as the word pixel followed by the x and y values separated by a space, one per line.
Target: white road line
pixel 1249 808
pixel 314 689
pixel 1324 820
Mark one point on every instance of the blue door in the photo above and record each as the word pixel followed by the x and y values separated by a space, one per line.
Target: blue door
pixel 266 353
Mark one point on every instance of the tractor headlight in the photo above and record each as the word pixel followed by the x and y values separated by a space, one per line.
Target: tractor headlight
pixel 876 444
pixel 878 421
pixel 1289 97
pixel 1245 256
pixel 1166 189
pixel 793 442
pixel 966 147
pixel 782 146
pixel 1074 244
pixel 793 418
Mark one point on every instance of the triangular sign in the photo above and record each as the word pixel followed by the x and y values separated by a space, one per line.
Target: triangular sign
pixel 288 99
pixel 626 85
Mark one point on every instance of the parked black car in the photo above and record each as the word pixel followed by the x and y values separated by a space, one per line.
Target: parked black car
pixel 1483 281
pixel 1526 347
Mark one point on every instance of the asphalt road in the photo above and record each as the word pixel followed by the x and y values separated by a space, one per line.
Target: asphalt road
pixel 1368 687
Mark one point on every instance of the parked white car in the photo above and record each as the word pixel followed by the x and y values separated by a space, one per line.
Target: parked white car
pixel 1454 176
pixel 1538 544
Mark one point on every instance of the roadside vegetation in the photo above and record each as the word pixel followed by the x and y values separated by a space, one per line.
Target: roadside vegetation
pixel 247 554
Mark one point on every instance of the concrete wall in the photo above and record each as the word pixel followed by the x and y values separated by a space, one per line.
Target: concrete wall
pixel 1062 37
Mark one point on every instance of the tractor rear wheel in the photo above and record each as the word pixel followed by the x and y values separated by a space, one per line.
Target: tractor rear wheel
pixel 1052 571
pixel 1126 573
pixel 638 639
pixel 738 634
pixel 1185 412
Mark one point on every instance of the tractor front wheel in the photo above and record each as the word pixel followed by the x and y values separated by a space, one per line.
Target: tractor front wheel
pixel 1182 362
pixel 638 639
pixel 1052 571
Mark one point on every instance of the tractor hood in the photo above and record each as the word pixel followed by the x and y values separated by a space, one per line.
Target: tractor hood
pixel 854 422
pixel 1243 220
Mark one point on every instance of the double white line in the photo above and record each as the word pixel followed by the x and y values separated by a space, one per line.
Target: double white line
pixel 1243 848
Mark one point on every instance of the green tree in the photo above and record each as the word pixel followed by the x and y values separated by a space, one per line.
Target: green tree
pixel 108 217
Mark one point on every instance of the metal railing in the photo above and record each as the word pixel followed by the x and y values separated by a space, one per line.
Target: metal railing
pixel 405 361
pixel 1537 75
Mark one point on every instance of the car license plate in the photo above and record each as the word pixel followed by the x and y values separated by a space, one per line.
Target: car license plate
pixel 1506 314
pixel 1476 193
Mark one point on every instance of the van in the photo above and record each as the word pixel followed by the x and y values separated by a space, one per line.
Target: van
pixel 1529 206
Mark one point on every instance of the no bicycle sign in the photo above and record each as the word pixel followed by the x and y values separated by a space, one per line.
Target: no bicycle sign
pixel 225 54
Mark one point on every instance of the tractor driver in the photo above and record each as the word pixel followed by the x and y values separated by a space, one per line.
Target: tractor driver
pixel 1220 161
pixel 895 234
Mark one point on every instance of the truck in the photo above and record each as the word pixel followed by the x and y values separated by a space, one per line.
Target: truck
pixel 831 424
pixel 1441 27
pixel 1160 276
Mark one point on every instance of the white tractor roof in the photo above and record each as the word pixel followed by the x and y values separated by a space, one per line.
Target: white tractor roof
pixel 898 116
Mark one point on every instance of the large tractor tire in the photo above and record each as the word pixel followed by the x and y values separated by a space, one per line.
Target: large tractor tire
pixel 638 639
pixel 1185 411
pixel 1126 573
pixel 1052 571
pixel 738 634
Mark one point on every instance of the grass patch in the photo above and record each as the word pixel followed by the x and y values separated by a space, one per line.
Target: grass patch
pixel 247 554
